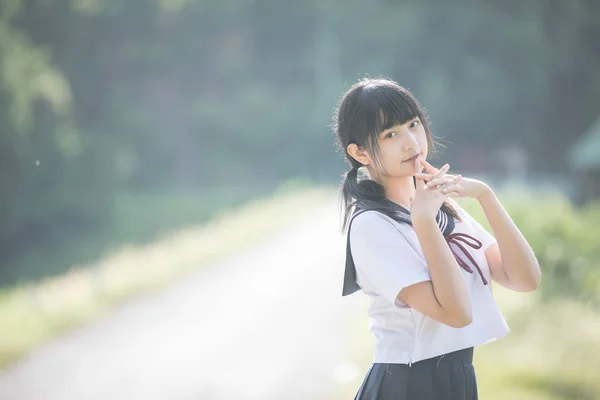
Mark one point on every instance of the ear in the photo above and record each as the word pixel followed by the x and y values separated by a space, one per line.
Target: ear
pixel 358 153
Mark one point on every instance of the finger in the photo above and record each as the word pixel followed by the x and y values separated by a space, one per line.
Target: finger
pixel 445 181
pixel 442 171
pixel 438 182
pixel 454 194
pixel 428 167
pixel 427 177
pixel 420 182
pixel 451 188
pixel 431 169
pixel 454 179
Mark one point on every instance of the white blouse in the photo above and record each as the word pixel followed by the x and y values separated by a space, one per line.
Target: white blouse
pixel 388 257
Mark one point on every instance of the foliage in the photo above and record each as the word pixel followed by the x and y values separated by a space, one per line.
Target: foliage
pixel 551 353
pixel 564 239
pixel 97 98
pixel 31 314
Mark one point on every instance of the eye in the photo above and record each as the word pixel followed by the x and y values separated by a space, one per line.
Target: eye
pixel 390 135
pixel 415 123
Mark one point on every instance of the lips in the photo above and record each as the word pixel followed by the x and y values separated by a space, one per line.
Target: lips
pixel 412 158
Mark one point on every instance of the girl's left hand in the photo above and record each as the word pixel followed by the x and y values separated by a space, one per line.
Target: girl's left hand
pixel 465 187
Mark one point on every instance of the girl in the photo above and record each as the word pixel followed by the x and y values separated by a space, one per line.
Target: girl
pixel 423 261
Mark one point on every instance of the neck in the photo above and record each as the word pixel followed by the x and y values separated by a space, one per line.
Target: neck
pixel 400 190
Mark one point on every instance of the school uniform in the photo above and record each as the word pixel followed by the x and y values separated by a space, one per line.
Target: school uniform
pixel 416 357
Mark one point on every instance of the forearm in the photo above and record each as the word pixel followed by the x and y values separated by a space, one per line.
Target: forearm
pixel 449 286
pixel 518 260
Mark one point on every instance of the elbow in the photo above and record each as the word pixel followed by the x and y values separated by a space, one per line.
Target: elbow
pixel 532 283
pixel 460 320
pixel 535 276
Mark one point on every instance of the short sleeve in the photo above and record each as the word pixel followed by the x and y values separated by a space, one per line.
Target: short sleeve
pixel 481 233
pixel 383 257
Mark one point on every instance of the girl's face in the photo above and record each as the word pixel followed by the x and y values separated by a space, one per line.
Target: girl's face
pixel 398 147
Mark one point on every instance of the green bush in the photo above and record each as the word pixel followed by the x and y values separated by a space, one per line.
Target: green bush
pixel 563 237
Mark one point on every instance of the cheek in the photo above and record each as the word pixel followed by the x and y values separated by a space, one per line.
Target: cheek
pixel 391 155
pixel 424 144
pixel 387 159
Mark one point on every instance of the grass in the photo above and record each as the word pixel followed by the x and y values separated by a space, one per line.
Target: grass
pixel 552 352
pixel 31 314
pixel 137 218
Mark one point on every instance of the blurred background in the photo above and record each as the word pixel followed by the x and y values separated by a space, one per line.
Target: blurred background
pixel 131 129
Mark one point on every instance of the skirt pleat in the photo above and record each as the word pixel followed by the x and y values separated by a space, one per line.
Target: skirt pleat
pixel 371 384
pixel 448 377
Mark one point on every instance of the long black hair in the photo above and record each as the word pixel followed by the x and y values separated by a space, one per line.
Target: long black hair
pixel 368 108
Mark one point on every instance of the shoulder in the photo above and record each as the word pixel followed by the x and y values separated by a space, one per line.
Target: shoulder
pixel 464 215
pixel 472 226
pixel 374 226
pixel 372 221
pixel 370 217
pixel 455 204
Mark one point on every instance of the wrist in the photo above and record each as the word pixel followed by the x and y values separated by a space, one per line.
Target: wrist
pixel 421 220
pixel 486 194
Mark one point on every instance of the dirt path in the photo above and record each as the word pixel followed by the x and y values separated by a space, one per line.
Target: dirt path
pixel 265 324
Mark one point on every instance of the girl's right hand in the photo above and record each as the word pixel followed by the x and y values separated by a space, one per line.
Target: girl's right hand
pixel 429 198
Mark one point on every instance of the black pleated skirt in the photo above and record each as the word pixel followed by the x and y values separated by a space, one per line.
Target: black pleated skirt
pixel 447 377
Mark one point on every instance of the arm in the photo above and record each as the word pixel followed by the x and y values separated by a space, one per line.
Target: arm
pixel 512 262
pixel 445 298
pixel 388 264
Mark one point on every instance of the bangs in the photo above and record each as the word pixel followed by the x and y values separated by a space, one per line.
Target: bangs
pixel 372 106
pixel 378 106
pixel 387 106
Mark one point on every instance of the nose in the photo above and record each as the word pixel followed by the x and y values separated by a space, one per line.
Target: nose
pixel 411 144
